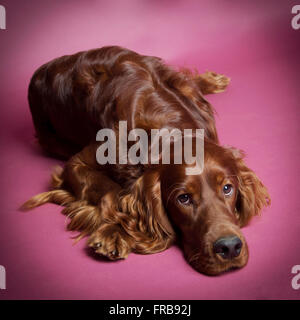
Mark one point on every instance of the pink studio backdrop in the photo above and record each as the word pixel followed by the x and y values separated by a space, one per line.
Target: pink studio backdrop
pixel 250 41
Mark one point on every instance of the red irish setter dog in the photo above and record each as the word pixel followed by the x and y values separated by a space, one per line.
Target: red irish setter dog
pixel 141 208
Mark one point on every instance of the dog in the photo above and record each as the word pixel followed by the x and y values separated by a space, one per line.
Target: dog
pixel 142 208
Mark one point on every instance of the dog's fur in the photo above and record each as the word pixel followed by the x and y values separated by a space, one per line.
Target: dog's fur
pixel 135 208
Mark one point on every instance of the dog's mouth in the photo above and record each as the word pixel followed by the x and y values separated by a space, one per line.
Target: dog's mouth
pixel 215 263
pixel 214 269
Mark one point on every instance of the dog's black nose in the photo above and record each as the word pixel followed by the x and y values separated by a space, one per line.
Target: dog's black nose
pixel 229 247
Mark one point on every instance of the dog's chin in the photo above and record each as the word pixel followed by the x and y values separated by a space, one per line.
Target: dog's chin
pixel 214 267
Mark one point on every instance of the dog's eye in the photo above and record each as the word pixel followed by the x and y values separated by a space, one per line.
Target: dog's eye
pixel 185 199
pixel 228 189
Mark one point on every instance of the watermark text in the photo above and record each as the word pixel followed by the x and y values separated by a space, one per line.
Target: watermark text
pixel 154 148
pixel 296 278
pixel 2 278
pixel 296 19
pixel 2 18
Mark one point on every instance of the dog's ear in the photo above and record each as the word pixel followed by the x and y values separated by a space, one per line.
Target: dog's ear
pixel 143 202
pixel 252 194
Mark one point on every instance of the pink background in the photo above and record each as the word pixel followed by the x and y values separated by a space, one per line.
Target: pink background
pixel 250 41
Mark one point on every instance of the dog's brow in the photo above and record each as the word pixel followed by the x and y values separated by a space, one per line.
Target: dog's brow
pixel 220 178
pixel 231 175
pixel 178 184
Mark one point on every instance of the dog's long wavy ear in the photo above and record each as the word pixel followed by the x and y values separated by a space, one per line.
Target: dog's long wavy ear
pixel 252 194
pixel 149 225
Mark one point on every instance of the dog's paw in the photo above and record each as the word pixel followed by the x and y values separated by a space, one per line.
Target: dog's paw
pixel 110 241
pixel 214 82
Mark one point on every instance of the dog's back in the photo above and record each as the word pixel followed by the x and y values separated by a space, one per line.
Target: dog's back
pixel 60 97
pixel 73 97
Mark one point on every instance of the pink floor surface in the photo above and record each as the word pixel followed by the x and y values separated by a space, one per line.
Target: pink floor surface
pixel 250 41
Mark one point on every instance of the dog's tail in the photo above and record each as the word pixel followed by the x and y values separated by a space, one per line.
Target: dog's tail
pixel 61 197
pixel 84 218
pixel 58 196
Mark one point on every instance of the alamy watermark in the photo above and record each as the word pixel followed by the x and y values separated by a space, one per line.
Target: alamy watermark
pixel 296 19
pixel 296 279
pixel 160 147
pixel 2 278
pixel 2 18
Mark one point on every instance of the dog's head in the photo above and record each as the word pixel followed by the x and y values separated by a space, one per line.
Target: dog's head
pixel 209 209
pixel 206 211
